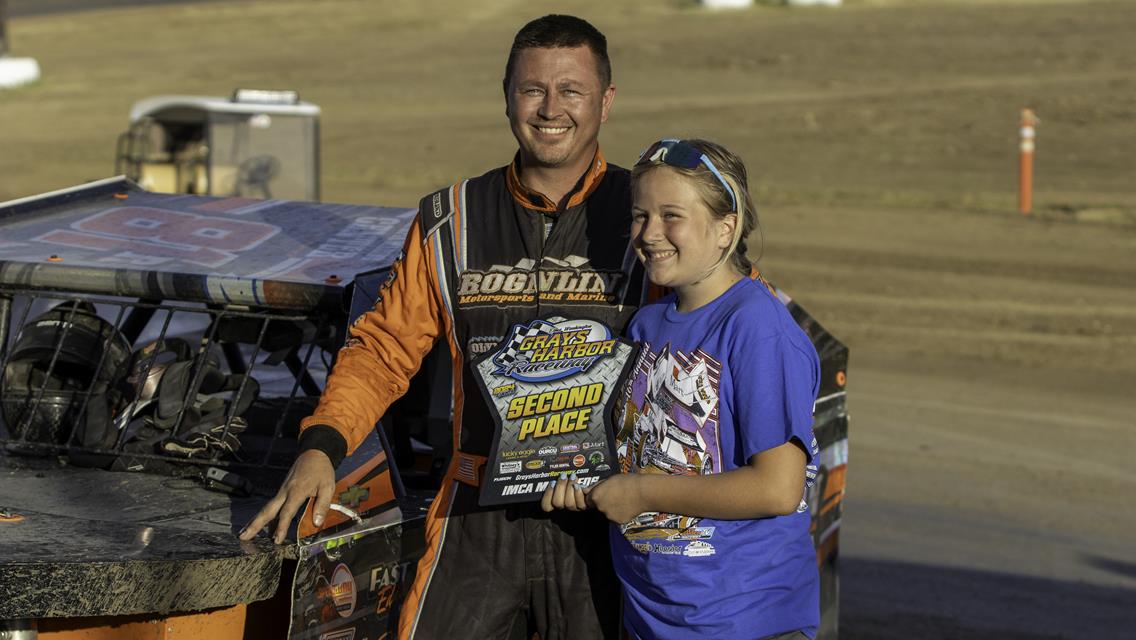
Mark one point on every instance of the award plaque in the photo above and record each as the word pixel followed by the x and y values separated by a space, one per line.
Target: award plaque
pixel 552 385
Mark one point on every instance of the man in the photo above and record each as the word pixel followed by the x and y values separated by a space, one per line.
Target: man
pixel 546 235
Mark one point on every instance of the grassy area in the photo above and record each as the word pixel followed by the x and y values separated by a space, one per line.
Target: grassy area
pixel 877 103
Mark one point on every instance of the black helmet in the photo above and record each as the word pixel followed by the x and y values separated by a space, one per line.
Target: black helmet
pixel 70 397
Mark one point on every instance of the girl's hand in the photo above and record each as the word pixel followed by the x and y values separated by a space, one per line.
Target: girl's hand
pixel 564 494
pixel 619 497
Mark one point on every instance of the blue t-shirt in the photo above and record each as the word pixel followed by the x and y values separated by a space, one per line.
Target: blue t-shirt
pixel 712 388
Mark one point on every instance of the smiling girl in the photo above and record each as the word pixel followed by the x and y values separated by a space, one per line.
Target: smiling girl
pixel 711 534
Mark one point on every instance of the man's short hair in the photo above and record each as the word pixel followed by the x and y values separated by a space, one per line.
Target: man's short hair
pixel 557 30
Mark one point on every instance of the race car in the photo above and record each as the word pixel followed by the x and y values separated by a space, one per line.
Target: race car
pixel 158 352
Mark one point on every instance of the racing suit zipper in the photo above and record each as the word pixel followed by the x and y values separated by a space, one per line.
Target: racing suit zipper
pixel 547 228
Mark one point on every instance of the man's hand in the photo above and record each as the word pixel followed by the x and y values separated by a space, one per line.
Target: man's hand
pixel 564 494
pixel 311 475
pixel 619 497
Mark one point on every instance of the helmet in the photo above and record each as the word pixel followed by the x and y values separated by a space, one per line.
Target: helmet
pixel 62 381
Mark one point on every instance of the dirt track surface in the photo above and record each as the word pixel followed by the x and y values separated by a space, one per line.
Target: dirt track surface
pixel 22 8
pixel 992 355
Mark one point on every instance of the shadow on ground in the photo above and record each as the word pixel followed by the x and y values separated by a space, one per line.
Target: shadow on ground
pixel 882 600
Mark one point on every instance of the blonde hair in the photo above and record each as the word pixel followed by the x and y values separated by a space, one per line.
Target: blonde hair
pixel 715 197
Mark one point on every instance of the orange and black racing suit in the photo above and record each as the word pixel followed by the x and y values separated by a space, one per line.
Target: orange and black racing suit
pixel 483 255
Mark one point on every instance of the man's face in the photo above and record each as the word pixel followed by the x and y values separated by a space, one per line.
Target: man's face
pixel 556 102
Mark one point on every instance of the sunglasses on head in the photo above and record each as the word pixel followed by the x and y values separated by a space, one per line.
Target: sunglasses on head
pixel 683 155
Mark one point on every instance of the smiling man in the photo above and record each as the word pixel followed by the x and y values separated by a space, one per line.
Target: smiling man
pixel 556 99
pixel 547 234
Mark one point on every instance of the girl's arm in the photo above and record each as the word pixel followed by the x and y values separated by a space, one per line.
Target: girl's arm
pixel 771 484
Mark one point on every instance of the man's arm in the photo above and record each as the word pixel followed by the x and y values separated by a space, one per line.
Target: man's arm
pixel 384 350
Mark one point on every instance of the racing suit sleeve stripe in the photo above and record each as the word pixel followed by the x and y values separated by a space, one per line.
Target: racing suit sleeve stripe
pixel 456 230
pixel 444 241
pixel 437 248
pixel 456 221
pixel 385 346
pixel 437 518
pixel 456 357
pixel 464 256
pixel 457 260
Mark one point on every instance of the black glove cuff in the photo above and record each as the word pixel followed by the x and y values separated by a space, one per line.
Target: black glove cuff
pixel 325 439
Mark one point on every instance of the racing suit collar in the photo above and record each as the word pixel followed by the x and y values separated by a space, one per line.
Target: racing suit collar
pixel 537 201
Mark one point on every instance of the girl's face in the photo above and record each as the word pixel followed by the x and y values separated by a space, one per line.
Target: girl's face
pixel 678 239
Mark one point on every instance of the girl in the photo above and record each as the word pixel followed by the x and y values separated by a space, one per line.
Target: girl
pixel 711 535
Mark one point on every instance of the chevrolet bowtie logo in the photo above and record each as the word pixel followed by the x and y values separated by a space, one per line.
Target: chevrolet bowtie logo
pixel 354 496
